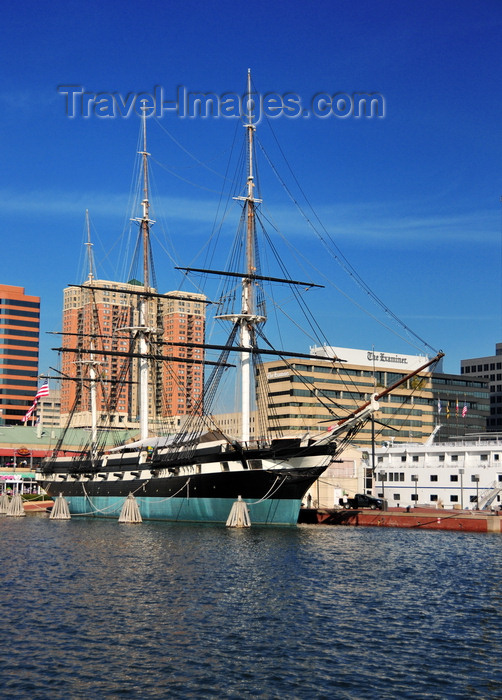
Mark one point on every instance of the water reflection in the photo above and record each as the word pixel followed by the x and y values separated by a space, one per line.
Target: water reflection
pixel 159 610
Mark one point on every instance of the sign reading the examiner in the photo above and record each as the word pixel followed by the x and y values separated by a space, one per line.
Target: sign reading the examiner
pixel 382 357
pixel 371 358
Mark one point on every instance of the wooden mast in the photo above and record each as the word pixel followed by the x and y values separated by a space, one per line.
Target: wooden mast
pixel 248 318
pixel 143 330
pixel 92 360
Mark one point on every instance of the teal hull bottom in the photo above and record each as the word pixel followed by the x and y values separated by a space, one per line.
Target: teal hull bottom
pixel 195 510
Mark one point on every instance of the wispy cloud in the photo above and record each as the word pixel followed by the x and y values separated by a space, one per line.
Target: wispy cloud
pixel 343 222
pixel 453 317
pixel 388 222
pixel 62 204
pixel 26 103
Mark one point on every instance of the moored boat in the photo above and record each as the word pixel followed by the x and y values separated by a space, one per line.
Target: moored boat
pixel 461 473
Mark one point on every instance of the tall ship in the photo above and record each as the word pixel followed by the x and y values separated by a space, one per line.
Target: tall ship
pixel 197 473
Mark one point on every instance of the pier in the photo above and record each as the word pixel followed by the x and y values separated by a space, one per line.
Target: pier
pixel 418 518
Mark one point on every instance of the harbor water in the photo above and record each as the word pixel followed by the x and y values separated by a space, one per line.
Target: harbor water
pixel 98 609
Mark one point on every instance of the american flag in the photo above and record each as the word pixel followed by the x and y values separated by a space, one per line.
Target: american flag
pixel 29 412
pixel 43 391
pixel 464 411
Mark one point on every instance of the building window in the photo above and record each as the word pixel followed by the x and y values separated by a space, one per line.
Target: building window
pixel 453 477
pixel 434 477
pixel 453 499
pixel 397 496
pixel 434 497
pixel 414 497
pixel 415 458
pixel 454 458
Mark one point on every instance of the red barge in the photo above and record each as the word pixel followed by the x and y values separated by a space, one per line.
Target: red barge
pixel 418 518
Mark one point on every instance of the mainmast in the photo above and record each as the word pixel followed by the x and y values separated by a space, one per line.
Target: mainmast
pixel 248 319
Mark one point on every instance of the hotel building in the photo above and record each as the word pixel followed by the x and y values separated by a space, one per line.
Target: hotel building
pixel 19 346
pixel 110 315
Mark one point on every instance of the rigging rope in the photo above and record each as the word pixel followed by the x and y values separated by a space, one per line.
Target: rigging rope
pixel 329 244
pixel 270 492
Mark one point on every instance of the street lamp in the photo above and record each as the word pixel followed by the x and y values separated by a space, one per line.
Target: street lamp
pixel 461 472
pixel 414 478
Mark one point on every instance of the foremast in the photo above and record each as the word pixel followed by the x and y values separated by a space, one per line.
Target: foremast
pixel 92 360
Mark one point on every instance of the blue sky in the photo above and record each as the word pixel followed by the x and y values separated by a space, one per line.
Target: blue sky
pixel 412 199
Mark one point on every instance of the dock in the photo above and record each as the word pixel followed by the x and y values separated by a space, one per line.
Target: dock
pixel 418 518
pixel 37 506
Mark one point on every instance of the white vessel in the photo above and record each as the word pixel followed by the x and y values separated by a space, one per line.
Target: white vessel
pixel 462 473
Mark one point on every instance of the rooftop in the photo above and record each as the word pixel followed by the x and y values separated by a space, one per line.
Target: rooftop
pixel 45 438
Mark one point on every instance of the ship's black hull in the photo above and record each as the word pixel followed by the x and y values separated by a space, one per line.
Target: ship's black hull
pixel 274 496
pixel 200 484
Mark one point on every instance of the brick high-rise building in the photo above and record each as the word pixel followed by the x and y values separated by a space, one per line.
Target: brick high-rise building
pixel 184 321
pixel 19 346
pixel 110 315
